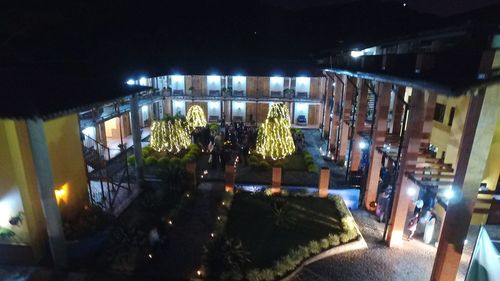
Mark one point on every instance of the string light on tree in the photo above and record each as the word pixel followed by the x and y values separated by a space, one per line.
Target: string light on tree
pixel 169 136
pixel 275 138
pixel 195 117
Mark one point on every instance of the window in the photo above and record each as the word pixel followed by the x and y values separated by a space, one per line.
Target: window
pixel 439 112
pixel 452 115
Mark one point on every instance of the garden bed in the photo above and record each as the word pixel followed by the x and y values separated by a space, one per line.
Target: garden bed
pixel 277 233
pixel 298 169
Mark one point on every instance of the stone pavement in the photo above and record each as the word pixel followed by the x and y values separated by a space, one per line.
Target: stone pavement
pixel 411 262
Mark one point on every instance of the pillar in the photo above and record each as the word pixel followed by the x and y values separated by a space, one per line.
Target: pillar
pixel 378 139
pixel 48 200
pixel 136 139
pixel 484 109
pixel 191 170
pixel 230 177
pixel 276 182
pixel 430 107
pixel 360 124
pixel 397 110
pixel 326 106
pixel 408 161
pixel 324 182
pixel 338 90
pixel 349 93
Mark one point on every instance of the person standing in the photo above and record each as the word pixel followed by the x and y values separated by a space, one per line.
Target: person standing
pixel 412 226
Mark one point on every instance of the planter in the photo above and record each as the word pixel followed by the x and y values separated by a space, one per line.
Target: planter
pixel 88 246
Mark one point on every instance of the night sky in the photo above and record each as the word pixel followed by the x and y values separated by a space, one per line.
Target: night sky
pixel 84 47
pixel 437 7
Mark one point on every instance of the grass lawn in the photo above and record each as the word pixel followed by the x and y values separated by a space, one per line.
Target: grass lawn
pixel 252 220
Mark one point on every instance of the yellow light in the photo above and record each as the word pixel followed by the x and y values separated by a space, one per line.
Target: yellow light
pixel 195 117
pixel 169 136
pixel 61 193
pixel 274 138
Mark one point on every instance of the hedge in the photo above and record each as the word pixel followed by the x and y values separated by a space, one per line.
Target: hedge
pixel 297 256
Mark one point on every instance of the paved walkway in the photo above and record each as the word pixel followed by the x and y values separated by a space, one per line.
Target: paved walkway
pixel 412 261
pixel 190 233
pixel 313 144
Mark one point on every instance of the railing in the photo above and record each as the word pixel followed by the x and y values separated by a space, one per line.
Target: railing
pixel 101 149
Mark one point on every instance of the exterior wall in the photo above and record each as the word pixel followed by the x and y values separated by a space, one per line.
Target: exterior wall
pixel 251 86
pixel 314 114
pixel 18 193
pixel 317 88
pixel 492 169
pixel 447 138
pixel 263 86
pixel 68 165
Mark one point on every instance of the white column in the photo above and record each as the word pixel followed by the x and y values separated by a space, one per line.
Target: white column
pixel 136 139
pixel 45 185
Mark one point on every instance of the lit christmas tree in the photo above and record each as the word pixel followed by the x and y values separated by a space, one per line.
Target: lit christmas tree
pixel 195 117
pixel 169 136
pixel 275 138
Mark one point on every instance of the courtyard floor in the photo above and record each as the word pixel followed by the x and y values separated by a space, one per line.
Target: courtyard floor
pixel 411 262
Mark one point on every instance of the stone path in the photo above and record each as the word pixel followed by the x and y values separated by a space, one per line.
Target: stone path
pixel 412 261
pixel 189 234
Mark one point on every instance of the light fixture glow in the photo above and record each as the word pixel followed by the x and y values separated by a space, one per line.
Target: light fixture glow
pixel 169 136
pixel 363 145
pixel 356 54
pixel 196 117
pixel 411 191
pixel 130 82
pixel 144 108
pixel 143 81
pixel 274 138
pixel 448 194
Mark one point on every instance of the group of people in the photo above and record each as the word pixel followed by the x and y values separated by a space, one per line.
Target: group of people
pixel 225 142
pixel 423 213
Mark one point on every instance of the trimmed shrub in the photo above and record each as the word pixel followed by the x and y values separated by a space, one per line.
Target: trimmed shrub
pixel 333 240
pixel 253 158
pixel 312 168
pixel 324 243
pixel 164 162
pixel 175 160
pixel 150 161
pixel 147 151
pixel 314 247
pixel 263 165
pixel 131 160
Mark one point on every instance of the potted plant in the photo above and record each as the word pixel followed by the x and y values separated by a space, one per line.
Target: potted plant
pixel 87 233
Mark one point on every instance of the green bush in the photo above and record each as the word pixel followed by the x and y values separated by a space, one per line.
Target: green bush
pixel 314 247
pixel 150 161
pixel 263 165
pixel 164 162
pixel 312 168
pixel 253 165
pixel 175 160
pixel 324 243
pixel 253 159
pixel 131 160
pixel 147 151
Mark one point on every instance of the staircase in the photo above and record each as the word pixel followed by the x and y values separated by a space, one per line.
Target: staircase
pixel 106 176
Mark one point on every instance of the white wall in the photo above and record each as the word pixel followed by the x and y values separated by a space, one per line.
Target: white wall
pixel 301 108
pixel 213 108
pixel 276 84
pixel 302 84
pixel 178 106
pixel 213 82
pixel 239 109
pixel 177 82
pixel 240 84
